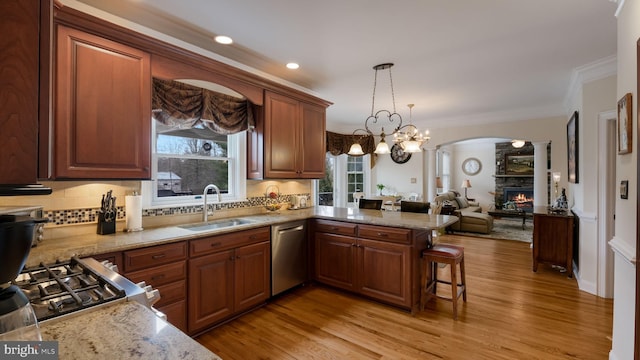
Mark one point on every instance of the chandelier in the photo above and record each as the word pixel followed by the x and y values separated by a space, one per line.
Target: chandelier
pixel 517 143
pixel 408 136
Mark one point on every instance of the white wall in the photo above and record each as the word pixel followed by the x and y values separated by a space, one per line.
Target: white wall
pixel 482 182
pixel 397 178
pixel 626 166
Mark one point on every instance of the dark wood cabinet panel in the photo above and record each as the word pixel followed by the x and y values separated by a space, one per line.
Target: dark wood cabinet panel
pixel 19 90
pixel 210 289
pixel 382 263
pixel 335 260
pixel 229 278
pixel 103 108
pixel 176 314
pixel 553 240
pixel 386 271
pixel 252 275
pixel 164 267
pixel 294 138
pixel 281 129
pixel 313 141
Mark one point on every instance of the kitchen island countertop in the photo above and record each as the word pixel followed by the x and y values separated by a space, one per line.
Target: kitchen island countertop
pixel 125 330
pixel 50 250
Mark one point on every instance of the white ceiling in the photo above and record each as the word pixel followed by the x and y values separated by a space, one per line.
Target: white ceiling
pixel 456 60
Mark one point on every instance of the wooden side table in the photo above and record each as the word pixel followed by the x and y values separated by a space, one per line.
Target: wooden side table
pixel 553 239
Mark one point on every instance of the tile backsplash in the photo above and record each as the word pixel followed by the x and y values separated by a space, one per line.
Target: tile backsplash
pixel 72 207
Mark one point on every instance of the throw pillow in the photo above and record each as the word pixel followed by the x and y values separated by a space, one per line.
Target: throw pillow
pixel 462 202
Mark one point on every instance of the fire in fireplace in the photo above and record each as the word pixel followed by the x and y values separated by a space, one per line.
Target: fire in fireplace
pixel 521 198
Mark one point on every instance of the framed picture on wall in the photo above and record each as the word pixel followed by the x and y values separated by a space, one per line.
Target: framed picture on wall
pixel 572 148
pixel 518 164
pixel 625 135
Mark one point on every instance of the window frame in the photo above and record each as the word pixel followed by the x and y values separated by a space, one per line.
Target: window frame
pixel 237 162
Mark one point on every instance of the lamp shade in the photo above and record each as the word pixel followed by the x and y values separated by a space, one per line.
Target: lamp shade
pixel 466 184
pixel 556 177
pixel 517 143
pixel 439 182
pixel 382 148
pixel 356 149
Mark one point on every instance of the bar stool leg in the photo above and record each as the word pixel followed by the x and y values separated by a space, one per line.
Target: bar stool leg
pixel 464 282
pixel 454 289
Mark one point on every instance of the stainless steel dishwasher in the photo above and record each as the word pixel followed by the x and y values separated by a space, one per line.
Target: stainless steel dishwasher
pixel 289 255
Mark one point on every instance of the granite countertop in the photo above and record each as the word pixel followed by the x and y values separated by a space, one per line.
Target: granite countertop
pixel 50 250
pixel 124 330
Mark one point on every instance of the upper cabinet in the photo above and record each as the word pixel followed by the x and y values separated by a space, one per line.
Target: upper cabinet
pixel 102 122
pixel 24 23
pixel 294 139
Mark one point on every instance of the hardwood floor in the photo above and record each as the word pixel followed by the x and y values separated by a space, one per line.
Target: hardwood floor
pixel 511 313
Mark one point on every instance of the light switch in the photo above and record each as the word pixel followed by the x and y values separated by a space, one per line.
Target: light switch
pixel 413 180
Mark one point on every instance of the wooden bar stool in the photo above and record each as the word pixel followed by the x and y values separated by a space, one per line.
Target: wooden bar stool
pixel 451 255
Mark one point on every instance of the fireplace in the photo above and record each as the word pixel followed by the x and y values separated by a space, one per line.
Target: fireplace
pixel 520 197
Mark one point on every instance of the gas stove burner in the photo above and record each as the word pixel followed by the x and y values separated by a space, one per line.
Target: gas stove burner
pixel 62 288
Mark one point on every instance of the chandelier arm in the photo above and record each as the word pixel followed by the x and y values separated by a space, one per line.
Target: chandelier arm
pixel 393 95
pixel 373 98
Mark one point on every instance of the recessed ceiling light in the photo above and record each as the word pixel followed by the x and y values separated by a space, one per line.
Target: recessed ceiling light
pixel 221 39
pixel 292 65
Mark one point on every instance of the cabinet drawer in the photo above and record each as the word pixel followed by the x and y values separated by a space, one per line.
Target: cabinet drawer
pixel 336 227
pixel 381 233
pixel 160 275
pixel 176 314
pixel 228 241
pixel 153 256
pixel 171 292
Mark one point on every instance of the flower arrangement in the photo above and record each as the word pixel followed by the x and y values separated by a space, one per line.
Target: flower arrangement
pixel 380 187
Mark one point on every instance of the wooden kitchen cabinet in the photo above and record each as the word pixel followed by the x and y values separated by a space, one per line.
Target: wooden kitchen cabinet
pixel 293 138
pixel 102 123
pixel 228 274
pixel 164 267
pixel 378 262
pixel 24 44
pixel 553 239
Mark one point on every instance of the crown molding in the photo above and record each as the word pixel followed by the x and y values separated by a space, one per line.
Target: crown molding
pixel 596 70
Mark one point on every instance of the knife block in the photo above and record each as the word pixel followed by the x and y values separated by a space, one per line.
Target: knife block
pixel 105 227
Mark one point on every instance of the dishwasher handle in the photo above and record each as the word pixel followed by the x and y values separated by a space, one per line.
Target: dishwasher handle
pixel 292 229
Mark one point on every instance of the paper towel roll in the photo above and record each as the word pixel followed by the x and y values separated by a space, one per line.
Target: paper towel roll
pixel 133 211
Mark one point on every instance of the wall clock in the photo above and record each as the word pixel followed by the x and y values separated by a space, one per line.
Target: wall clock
pixel 398 155
pixel 471 166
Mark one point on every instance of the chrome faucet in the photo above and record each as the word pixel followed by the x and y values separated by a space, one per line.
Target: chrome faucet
pixel 205 210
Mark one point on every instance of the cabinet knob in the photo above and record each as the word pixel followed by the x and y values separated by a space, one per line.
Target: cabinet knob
pixel 158 256
pixel 383 234
pixel 216 244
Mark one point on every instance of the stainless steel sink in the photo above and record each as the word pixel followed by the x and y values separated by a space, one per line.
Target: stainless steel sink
pixel 217 224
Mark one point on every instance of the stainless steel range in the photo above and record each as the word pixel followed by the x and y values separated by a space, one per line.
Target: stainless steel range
pixel 78 285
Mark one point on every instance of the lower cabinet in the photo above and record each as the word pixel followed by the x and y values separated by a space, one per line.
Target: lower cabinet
pixel 384 269
pixel 164 267
pixel 228 274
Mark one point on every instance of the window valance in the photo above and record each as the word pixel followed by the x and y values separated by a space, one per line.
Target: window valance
pixel 340 144
pixel 184 106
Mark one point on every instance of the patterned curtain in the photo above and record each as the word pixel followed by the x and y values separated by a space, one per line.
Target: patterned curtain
pixel 340 144
pixel 184 106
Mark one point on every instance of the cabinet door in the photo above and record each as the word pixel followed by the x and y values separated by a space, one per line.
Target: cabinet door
pixel 210 289
pixel 252 277
pixel 553 241
pixel 313 144
pixel 19 91
pixel 176 314
pixel 103 108
pixel 282 136
pixel 384 271
pixel 335 260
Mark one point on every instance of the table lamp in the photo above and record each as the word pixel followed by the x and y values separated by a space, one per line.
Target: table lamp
pixel 466 184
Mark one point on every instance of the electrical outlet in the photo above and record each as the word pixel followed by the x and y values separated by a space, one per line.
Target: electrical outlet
pixel 413 180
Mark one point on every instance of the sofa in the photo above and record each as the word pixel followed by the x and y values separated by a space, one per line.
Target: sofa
pixel 470 216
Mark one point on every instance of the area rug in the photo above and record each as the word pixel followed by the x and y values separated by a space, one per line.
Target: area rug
pixel 506 229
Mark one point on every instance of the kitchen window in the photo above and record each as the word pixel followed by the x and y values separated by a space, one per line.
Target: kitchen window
pixel 185 161
pixel 344 175
pixel 198 138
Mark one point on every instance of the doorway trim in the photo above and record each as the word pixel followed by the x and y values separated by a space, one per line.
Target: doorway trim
pixel 606 201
